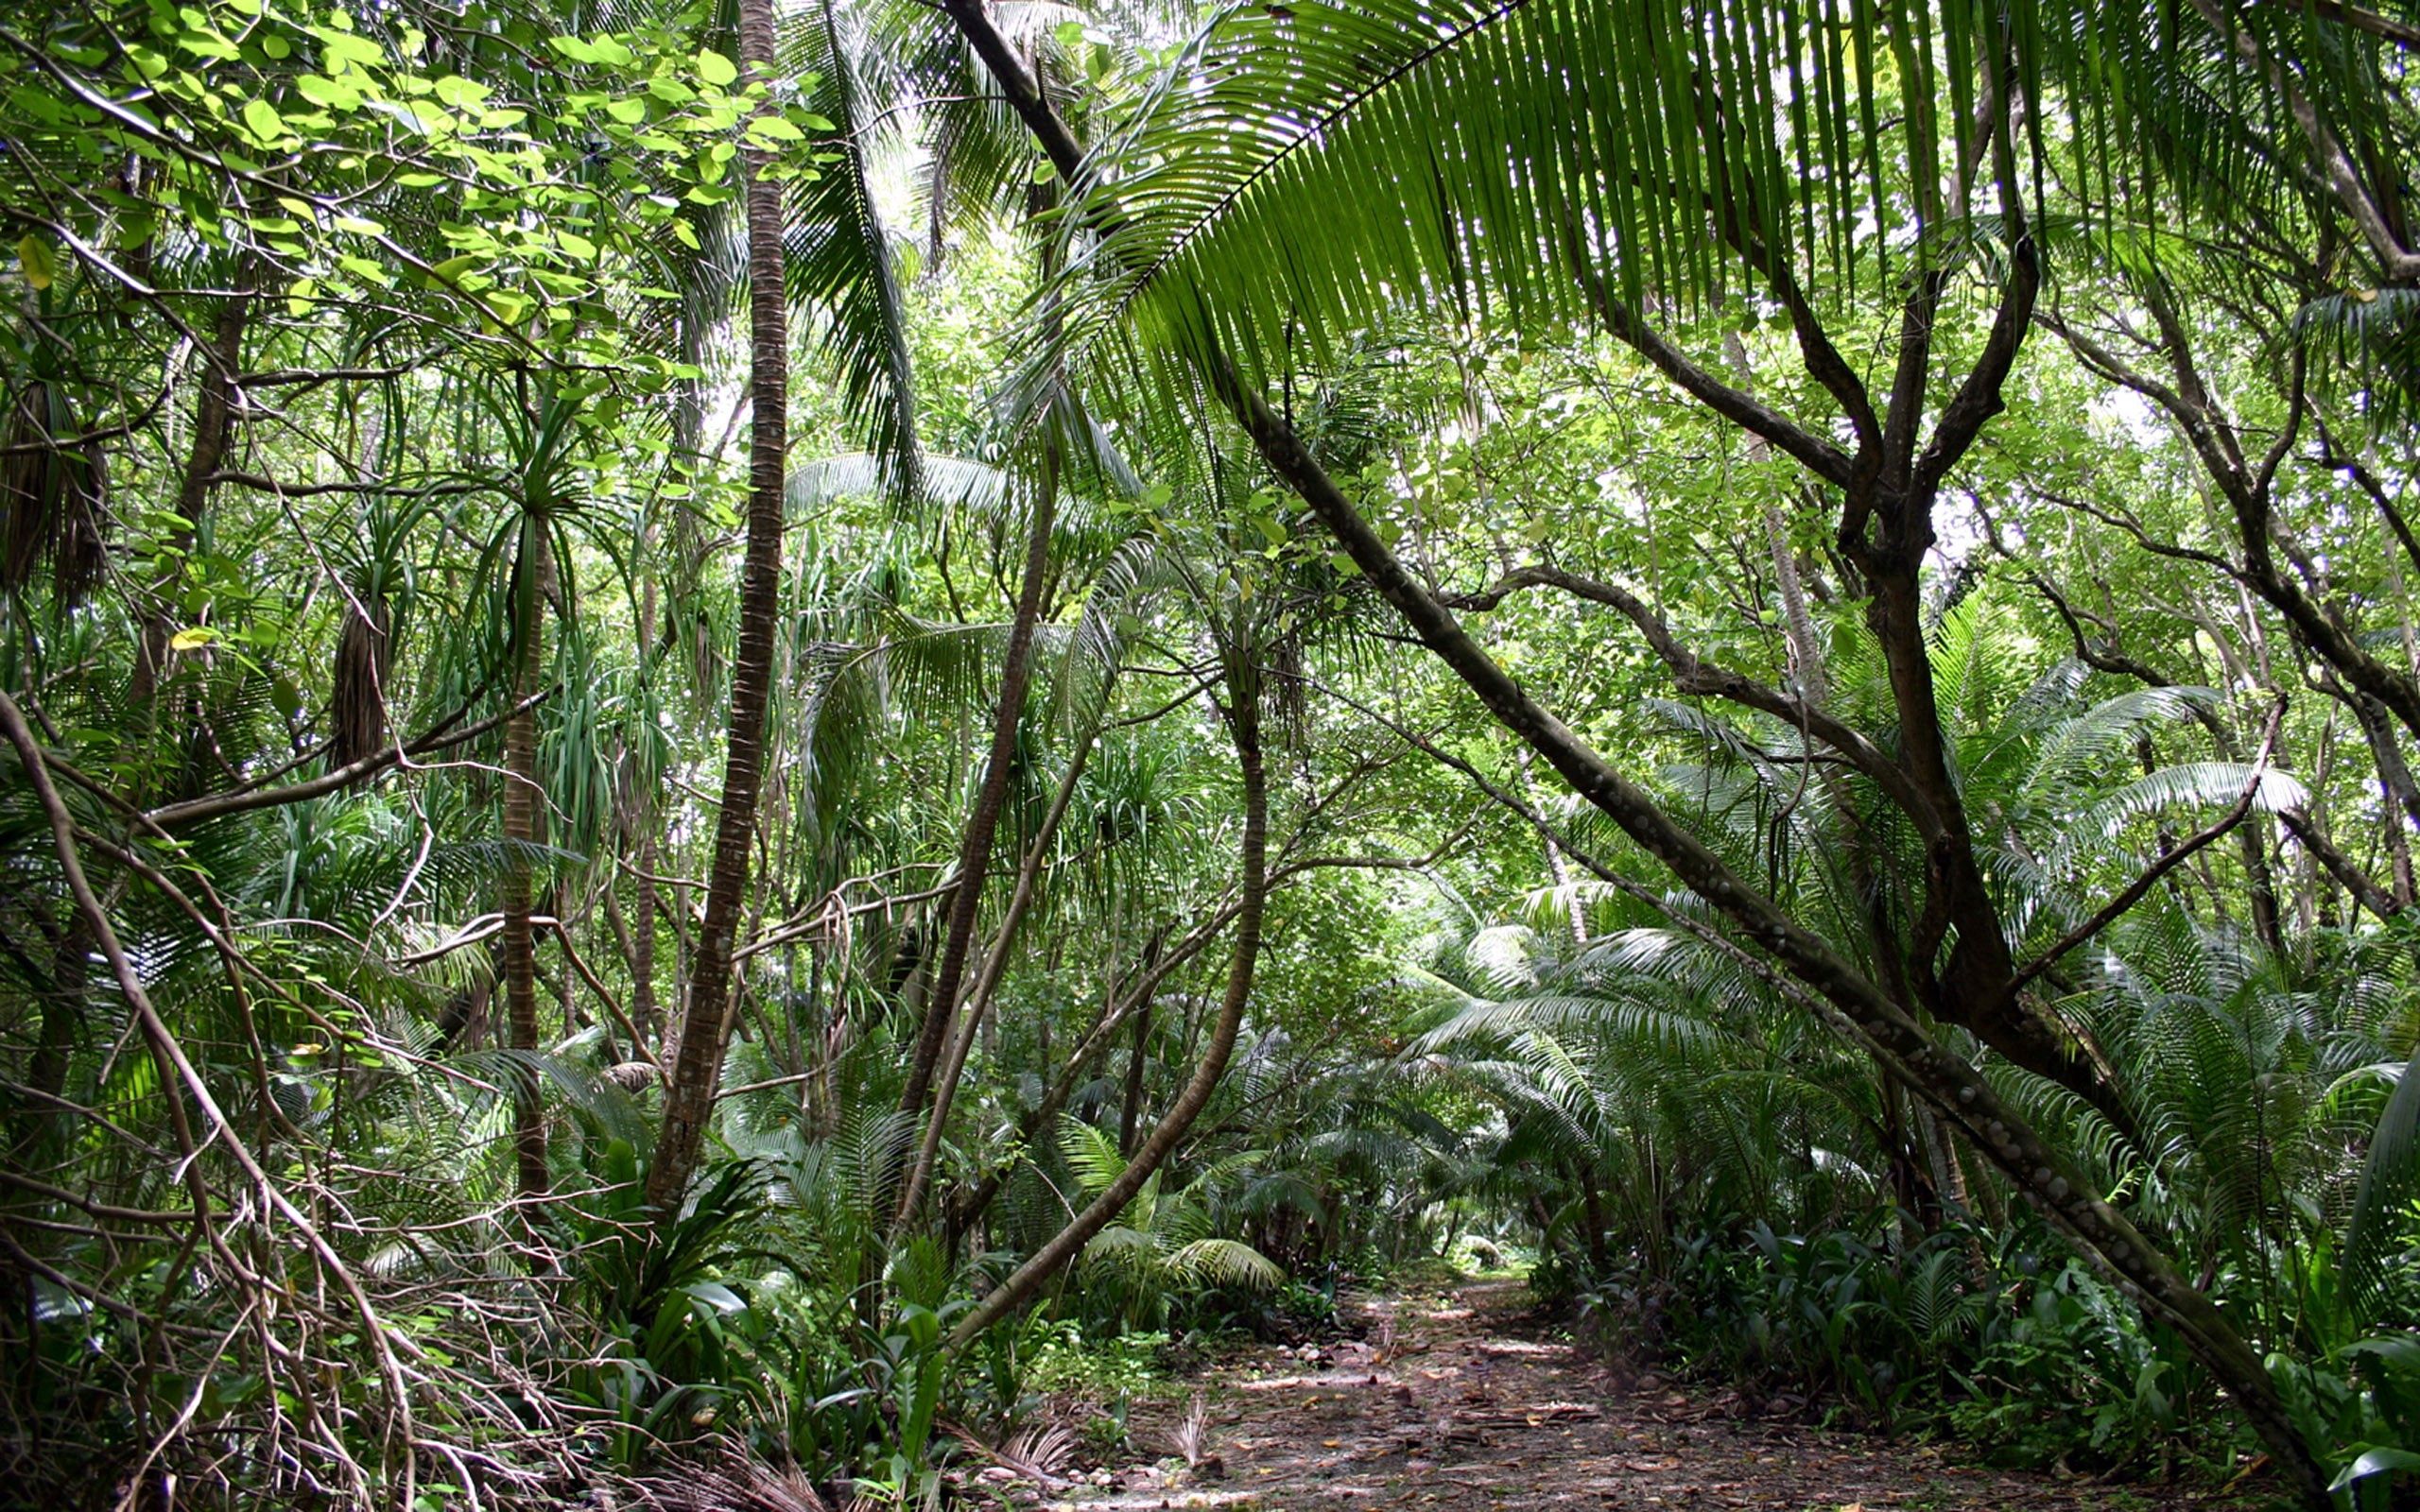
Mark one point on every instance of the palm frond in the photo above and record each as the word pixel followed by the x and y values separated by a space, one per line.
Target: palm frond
pixel 2189 785
pixel 2390 1184
pixel 837 253
pixel 1223 1262
pixel 1461 154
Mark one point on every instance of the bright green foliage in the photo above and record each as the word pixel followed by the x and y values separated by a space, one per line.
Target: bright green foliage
pixel 1604 319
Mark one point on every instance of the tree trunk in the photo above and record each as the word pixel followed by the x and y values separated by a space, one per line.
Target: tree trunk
pixel 640 815
pixel 987 981
pixel 1244 725
pixel 214 423
pixel 696 1075
pixel 524 803
pixel 972 1201
pixel 982 821
pixel 42 1119
pixel 1130 1108
pixel 1592 1214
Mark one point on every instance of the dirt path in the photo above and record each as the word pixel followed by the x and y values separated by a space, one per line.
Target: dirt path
pixel 1452 1403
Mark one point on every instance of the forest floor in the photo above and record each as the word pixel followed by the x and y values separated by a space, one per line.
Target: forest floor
pixel 1456 1402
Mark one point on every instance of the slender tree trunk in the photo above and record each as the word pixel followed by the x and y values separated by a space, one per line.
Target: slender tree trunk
pixel 214 423
pixel 642 818
pixel 2402 796
pixel 1592 1214
pixel 988 981
pixel 643 1012
pixel 41 1119
pixel 1130 1108
pixel 689 1102
pixel 524 802
pixel 1244 725
pixel 971 1202
pixel 982 821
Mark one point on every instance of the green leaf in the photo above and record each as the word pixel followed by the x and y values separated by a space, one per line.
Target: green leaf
pixel 34 259
pixel 192 638
pixel 716 70
pixel 327 93
pixel 2375 1462
pixel 264 121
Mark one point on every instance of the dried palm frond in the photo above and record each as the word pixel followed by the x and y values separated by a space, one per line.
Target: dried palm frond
pixel 1388 1343
pixel 635 1075
pixel 1039 1454
pixel 357 706
pixel 53 496
pixel 1191 1436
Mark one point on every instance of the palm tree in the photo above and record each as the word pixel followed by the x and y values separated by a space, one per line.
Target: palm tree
pixel 689 1097
pixel 1163 1243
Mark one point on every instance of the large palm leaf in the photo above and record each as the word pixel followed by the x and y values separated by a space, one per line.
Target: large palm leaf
pixel 1308 166
pixel 837 254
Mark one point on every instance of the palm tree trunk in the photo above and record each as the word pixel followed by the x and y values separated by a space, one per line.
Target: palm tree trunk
pixel 689 1102
pixel 523 798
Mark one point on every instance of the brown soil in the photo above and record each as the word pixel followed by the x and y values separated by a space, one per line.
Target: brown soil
pixel 1456 1402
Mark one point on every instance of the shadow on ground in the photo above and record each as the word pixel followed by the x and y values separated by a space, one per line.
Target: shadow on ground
pixel 1454 1403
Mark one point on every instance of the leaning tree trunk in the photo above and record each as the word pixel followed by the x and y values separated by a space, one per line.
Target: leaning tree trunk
pixel 523 798
pixel 1244 725
pixel 987 982
pixel 983 820
pixel 1956 1091
pixel 697 1075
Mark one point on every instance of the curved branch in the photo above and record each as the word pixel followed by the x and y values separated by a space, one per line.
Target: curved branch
pixel 1692 674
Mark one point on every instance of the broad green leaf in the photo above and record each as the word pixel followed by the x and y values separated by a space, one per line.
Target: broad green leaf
pixel 774 129
pixel 266 123
pixel 34 258
pixel 2375 1462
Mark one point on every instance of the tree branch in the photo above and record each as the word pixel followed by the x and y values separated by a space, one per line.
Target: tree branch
pixel 1692 674
pixel 2133 893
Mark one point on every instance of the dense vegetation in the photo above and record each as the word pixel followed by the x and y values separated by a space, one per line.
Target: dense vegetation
pixel 732 729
